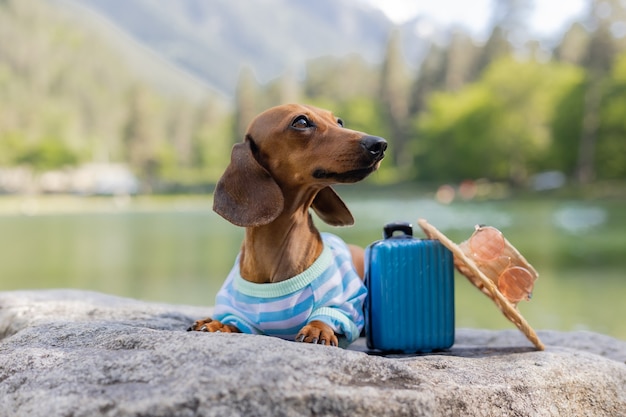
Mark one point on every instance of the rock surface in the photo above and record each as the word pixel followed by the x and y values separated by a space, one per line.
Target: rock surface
pixel 76 353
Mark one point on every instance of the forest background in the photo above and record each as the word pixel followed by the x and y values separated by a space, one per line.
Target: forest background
pixel 502 110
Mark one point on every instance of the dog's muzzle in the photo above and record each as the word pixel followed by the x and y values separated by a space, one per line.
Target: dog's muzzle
pixel 374 148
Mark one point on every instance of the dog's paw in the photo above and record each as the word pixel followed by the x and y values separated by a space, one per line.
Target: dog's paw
pixel 213 326
pixel 317 332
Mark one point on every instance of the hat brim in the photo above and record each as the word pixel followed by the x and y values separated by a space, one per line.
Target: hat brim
pixel 483 283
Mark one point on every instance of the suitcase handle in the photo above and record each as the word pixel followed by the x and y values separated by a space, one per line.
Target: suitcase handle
pixel 390 228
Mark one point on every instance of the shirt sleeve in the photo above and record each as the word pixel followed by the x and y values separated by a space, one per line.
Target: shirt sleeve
pixel 225 310
pixel 341 305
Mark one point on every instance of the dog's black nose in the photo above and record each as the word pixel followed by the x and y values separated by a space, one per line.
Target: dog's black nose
pixel 374 145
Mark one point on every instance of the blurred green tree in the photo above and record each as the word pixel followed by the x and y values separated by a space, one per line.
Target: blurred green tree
pixel 496 47
pixel 50 153
pixel 212 140
pixel 394 102
pixel 141 134
pixel 598 60
pixel 180 132
pixel 566 129
pixel 461 56
pixel 247 98
pixel 430 77
pixel 610 156
pixel 498 127
pixel 573 46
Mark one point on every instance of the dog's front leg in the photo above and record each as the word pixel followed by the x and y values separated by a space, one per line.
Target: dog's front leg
pixel 317 332
pixel 212 326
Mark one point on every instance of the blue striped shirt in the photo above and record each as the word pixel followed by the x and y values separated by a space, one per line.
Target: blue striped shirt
pixel 330 291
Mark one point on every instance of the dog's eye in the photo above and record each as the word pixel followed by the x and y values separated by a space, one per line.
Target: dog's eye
pixel 340 122
pixel 301 122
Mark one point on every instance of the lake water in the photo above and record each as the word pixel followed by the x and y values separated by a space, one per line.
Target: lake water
pixel 176 250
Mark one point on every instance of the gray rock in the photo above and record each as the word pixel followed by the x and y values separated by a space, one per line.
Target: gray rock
pixel 76 353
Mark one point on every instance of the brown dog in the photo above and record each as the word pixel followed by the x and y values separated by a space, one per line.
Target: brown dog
pixel 290 157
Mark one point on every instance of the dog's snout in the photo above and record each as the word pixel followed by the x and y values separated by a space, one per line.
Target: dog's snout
pixel 374 145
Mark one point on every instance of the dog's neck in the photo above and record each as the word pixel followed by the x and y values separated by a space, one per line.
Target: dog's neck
pixel 283 248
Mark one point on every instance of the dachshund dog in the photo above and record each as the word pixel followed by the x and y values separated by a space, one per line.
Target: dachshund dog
pixel 290 280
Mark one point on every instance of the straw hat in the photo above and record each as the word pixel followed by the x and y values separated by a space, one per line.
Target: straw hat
pixel 485 277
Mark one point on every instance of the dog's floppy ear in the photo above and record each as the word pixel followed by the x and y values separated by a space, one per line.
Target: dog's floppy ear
pixel 247 195
pixel 331 208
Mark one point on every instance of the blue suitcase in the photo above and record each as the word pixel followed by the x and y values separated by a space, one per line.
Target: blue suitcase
pixel 410 302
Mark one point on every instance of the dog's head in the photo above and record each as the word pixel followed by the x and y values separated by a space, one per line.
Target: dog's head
pixel 294 150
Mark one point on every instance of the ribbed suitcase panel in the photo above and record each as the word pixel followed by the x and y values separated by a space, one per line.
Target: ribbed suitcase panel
pixel 410 304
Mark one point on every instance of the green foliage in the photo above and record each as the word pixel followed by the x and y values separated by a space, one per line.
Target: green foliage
pixel 212 142
pixel 470 111
pixel 566 131
pixel 611 147
pixel 498 127
pixel 67 98
pixel 445 149
pixel 50 153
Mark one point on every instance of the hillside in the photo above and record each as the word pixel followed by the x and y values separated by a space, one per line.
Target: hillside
pixel 144 62
pixel 212 40
pixel 68 97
